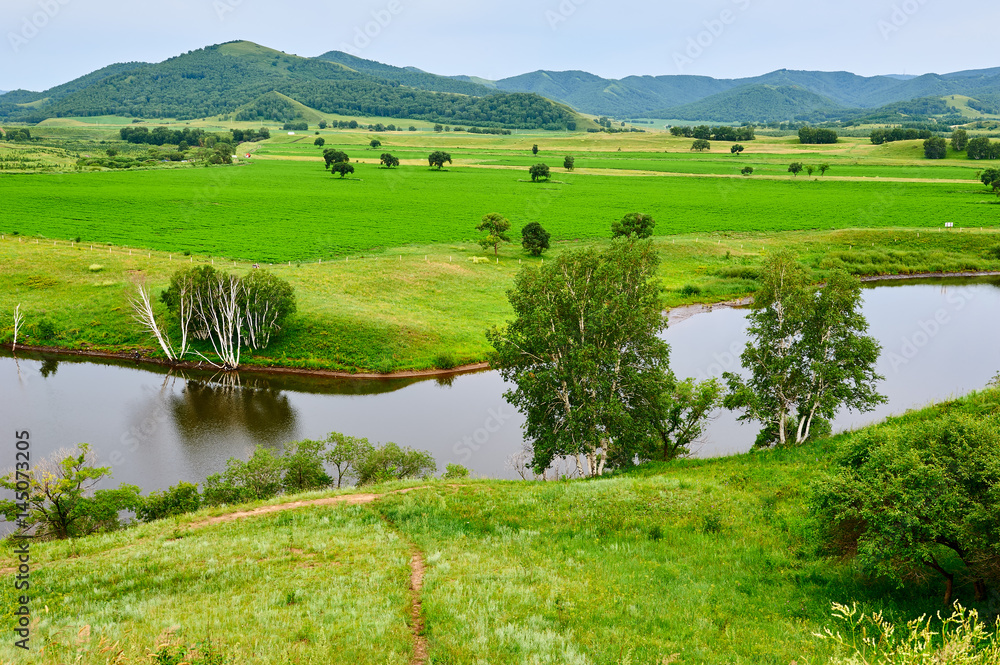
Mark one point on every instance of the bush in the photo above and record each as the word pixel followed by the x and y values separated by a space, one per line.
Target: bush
pixel 535 239
pixel 45 330
pixel 455 472
pixel 303 467
pixel 444 361
pixel 392 462
pixel 179 499
pixel 633 225
pixel 690 290
pixel 258 479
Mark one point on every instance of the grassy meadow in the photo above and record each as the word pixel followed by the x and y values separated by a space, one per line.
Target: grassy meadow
pixel 385 263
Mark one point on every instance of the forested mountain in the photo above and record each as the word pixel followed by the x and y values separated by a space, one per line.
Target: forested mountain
pixel 408 76
pixel 219 80
pixel 753 103
pixel 661 96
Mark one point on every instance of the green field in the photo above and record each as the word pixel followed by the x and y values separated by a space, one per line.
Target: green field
pixel 382 262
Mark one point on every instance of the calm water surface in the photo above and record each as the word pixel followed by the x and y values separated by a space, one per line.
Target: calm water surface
pixel 153 428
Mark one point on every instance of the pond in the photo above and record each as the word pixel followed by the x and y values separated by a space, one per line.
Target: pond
pixel 155 428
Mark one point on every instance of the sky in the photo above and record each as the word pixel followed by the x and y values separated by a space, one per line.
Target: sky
pixel 49 42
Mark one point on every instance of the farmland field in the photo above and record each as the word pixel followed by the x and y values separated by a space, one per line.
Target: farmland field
pixel 382 261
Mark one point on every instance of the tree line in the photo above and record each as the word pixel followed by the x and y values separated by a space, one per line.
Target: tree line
pixel 188 137
pixel 722 133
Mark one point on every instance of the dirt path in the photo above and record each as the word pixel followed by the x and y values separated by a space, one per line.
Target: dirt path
pixel 420 655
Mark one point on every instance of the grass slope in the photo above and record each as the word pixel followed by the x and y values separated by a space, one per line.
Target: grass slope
pixel 700 561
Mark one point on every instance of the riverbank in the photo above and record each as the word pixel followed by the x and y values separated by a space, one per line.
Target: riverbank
pixel 422 310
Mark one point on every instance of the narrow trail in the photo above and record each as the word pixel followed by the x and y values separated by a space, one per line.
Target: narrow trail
pixel 417 565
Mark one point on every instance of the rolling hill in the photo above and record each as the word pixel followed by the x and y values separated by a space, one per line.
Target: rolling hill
pixel 753 103
pixel 223 79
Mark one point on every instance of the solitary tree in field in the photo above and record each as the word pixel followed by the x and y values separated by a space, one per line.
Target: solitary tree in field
pixel 334 156
pixel 569 163
pixel 343 168
pixel 935 148
pixel 736 149
pixel 701 144
pixel 375 143
pixel 389 161
pixel 747 170
pixel 496 227
pixel 539 172
pixel 959 140
pixel 438 158
pixel 320 142
pixel 823 168
pixel 438 128
pixel 634 225
pixel 808 356
pixel 534 149
pixel 535 239
pixel 795 168
pixel 990 177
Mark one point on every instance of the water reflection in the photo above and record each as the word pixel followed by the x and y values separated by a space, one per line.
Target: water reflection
pixel 226 407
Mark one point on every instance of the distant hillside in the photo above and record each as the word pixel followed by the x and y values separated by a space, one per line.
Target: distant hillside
pixel 755 103
pixel 643 96
pixel 224 79
pixel 408 76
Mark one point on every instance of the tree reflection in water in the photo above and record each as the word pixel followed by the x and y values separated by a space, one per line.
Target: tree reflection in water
pixel 225 403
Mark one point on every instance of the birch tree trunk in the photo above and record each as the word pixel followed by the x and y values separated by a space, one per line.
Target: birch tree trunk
pixel 142 311
pixel 18 322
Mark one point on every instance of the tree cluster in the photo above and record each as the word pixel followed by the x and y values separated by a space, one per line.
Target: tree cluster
pixel 817 135
pixel 723 133
pixel 982 148
pixel 880 136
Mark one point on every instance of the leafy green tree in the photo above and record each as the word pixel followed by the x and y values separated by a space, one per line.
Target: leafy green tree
pixel 736 149
pixel 320 142
pixel 343 168
pixel 795 168
pixel 917 497
pixel 569 163
pixel 375 143
pixel 438 158
pixel 57 499
pixel 388 160
pixel 496 227
pixel 535 239
pixel 959 140
pixel 333 156
pixel 345 453
pixel 438 128
pixel 701 144
pixel 810 169
pixel 990 176
pixel 390 461
pixel 180 499
pixel 823 168
pixel 539 171
pixel 258 479
pixel 935 148
pixel 322 124
pixel 682 412
pixel 808 354
pixel 634 225
pixel 584 355
pixel 303 466
pixel 982 148
pixel 534 149
pixel 747 170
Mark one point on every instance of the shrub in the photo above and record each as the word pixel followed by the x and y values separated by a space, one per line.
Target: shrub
pixel 392 462
pixel 444 361
pixel 179 499
pixel 690 290
pixel 258 479
pixel 303 467
pixel 455 472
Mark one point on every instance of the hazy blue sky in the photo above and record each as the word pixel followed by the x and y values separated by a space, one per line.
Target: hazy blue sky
pixel 48 42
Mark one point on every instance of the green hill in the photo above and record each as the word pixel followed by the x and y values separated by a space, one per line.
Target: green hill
pixel 408 76
pixel 758 103
pixel 220 80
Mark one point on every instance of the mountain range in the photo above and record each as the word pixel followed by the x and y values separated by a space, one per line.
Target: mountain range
pixel 249 81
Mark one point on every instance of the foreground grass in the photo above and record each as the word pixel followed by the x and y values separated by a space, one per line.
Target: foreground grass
pixel 700 561
pixel 318 586
pixel 422 307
